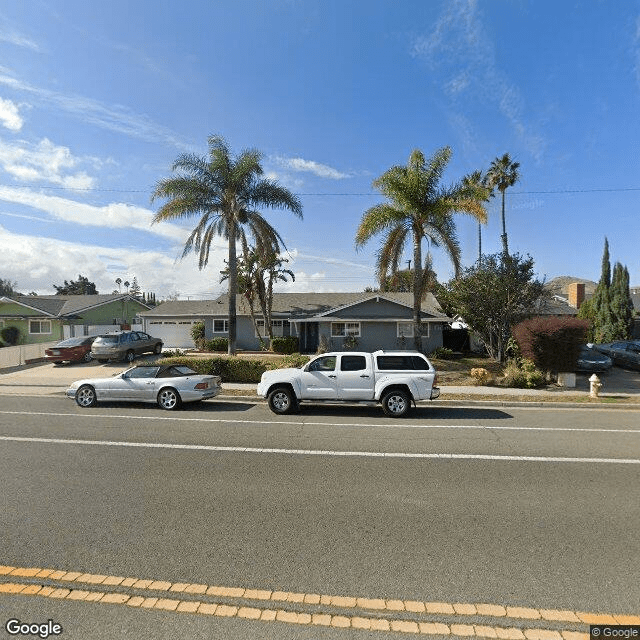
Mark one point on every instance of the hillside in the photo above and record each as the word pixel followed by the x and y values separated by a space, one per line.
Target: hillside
pixel 559 286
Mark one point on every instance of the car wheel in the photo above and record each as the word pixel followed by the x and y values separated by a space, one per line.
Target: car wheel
pixel 86 396
pixel 87 357
pixel 396 403
pixel 282 400
pixel 169 399
pixel 158 349
pixel 129 356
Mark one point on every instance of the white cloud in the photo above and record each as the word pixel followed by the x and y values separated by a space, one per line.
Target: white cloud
pixel 12 37
pixel 460 45
pixel 43 162
pixel 36 263
pixel 111 117
pixel 310 166
pixel 116 215
pixel 10 116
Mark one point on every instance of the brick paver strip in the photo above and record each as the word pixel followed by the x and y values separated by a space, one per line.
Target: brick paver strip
pixel 179 587
pixel 559 616
pixel 5 570
pixel 523 612
pixel 57 575
pixel 196 588
pixel 295 597
pixel 257 594
pixel 343 601
pixel 286 616
pixel 380 624
pixel 312 598
pixel 542 634
pixel 304 618
pixel 438 607
pixel 404 626
pixel 462 630
pixel 167 603
pixel 321 619
pixel 268 615
pixel 188 606
pixel 11 587
pixel 115 598
pixel 135 601
pixel 94 596
pixel 434 628
pixel 226 611
pixel 574 635
pixel 628 619
pixel 112 580
pixel 596 618
pixel 340 621
pixel 45 573
pixel 509 634
pixel 395 605
pixel 78 594
pixel 25 572
pixel 128 582
pixel 207 609
pixel 142 584
pixel 60 593
pixel 249 612
pixel 71 575
pixel 45 591
pixel 149 603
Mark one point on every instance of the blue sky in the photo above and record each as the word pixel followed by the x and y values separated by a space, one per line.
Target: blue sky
pixel 98 99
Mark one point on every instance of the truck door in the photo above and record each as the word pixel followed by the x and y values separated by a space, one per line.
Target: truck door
pixel 319 381
pixel 355 378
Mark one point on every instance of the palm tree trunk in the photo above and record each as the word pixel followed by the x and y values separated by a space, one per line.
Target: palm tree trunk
pixel 479 244
pixel 417 290
pixel 233 287
pixel 505 247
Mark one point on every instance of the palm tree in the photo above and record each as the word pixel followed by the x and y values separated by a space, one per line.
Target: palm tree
pixel 224 191
pixel 419 208
pixel 118 282
pixel 476 180
pixel 503 173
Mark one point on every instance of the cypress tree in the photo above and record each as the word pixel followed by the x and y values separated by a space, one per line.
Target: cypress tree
pixel 603 323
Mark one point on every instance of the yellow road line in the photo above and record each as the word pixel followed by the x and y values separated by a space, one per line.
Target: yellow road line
pixel 75 585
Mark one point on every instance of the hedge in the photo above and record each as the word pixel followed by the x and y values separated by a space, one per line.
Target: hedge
pixel 552 343
pixel 217 344
pixel 286 344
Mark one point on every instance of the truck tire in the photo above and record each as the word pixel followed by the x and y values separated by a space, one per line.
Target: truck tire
pixel 282 400
pixel 396 403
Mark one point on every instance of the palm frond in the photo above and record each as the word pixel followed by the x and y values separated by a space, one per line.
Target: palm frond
pixel 376 220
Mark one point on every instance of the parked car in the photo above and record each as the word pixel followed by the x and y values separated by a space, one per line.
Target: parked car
pixel 71 350
pixel 394 379
pixel 591 360
pixel 124 345
pixel 625 353
pixel 167 385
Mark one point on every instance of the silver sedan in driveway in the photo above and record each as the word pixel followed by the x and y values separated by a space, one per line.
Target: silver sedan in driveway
pixel 167 385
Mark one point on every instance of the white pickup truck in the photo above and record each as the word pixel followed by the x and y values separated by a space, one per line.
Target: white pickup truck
pixel 394 379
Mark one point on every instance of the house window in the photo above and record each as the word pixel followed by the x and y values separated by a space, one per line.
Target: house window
pixel 345 329
pixel 405 329
pixel 221 326
pixel 277 326
pixel 39 326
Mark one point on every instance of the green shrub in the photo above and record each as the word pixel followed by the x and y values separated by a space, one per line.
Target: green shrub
pixel 552 343
pixel 197 333
pixel 170 353
pixel 217 344
pixel 522 375
pixel 443 353
pixel 285 344
pixel 229 369
pixel 10 335
pixel 296 360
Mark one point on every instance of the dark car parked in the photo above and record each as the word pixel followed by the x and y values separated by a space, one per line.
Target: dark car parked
pixel 124 345
pixel 591 360
pixel 625 353
pixel 71 350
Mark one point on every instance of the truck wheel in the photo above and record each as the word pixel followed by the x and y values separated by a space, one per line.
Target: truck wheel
pixel 282 400
pixel 396 403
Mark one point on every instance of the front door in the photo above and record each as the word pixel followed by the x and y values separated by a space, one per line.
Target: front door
pixel 310 336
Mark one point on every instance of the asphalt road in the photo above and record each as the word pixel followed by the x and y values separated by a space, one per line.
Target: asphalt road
pixel 536 508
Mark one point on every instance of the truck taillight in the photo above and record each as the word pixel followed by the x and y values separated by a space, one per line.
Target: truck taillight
pixel 202 385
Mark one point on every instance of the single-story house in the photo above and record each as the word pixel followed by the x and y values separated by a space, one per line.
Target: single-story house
pixel 366 321
pixel 52 318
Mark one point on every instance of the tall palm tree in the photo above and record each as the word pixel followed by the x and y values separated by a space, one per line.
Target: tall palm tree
pixel 476 181
pixel 503 173
pixel 224 191
pixel 418 208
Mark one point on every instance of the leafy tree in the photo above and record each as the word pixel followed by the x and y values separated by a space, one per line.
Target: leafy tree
pixel 503 173
pixel 134 289
pixel 7 288
pixel 418 207
pixel 493 297
pixel 224 191
pixel 81 286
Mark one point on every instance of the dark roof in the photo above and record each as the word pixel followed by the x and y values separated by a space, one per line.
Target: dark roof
pixel 290 304
pixel 69 305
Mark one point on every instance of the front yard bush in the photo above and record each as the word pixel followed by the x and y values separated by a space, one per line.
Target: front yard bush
pixel 229 369
pixel 552 343
pixel 442 353
pixel 292 360
pixel 197 334
pixel 522 374
pixel 216 344
pixel 285 344
pixel 10 335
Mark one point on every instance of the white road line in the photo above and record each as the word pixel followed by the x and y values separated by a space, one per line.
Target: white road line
pixel 317 452
pixel 302 423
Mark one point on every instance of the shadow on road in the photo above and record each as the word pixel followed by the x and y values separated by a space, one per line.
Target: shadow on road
pixel 418 413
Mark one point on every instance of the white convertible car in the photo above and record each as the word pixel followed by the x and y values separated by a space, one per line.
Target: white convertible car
pixel 168 385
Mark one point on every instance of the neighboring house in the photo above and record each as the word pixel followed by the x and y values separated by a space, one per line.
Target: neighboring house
pixel 52 318
pixel 369 320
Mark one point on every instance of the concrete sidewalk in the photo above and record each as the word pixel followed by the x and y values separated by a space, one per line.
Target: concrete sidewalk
pixel 620 388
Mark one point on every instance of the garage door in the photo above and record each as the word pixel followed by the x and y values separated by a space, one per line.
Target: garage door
pixel 175 334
